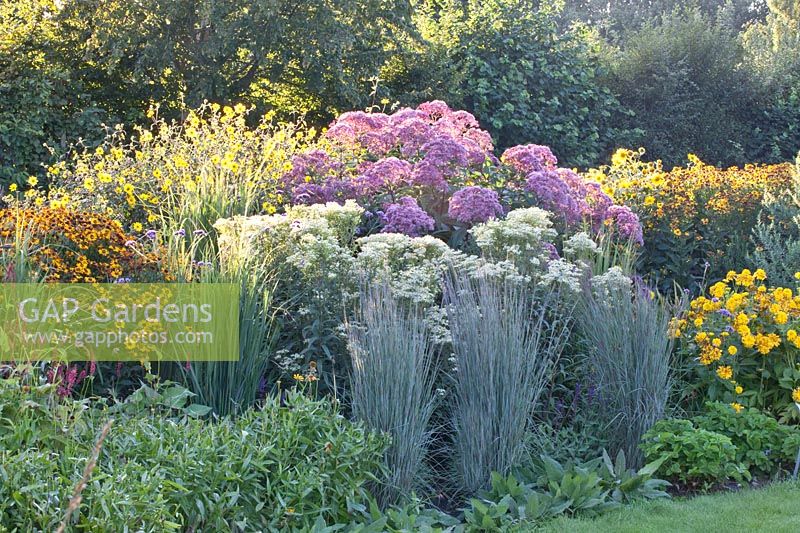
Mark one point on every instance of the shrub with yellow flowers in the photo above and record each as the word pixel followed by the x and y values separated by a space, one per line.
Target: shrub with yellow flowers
pixel 74 247
pixel 697 219
pixel 744 341
pixel 209 166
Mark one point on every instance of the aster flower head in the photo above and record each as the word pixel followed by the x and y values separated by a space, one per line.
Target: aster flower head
pixel 529 158
pixel 407 217
pixel 555 195
pixel 434 109
pixel 471 205
pixel 444 152
pixel 390 172
pixel 625 222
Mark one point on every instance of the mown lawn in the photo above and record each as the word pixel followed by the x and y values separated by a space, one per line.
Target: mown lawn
pixel 773 509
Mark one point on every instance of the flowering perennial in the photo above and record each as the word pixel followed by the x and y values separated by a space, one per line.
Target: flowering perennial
pixel 744 338
pixel 443 160
pixel 690 215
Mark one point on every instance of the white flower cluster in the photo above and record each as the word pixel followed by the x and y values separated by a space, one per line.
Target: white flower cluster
pixel 341 219
pixel 614 282
pixel 580 246
pixel 412 265
pixel 520 238
pixel 563 274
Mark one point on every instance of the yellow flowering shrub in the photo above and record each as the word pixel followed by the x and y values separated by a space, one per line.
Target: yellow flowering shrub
pixel 209 166
pixel 75 247
pixel 743 338
pixel 690 215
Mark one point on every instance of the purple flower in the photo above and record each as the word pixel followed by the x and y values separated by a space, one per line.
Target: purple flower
pixel 552 251
pixel 529 158
pixel 389 173
pixel 180 233
pixel 555 195
pixel 471 205
pixel 483 138
pixel 150 234
pixel 311 193
pixel 122 280
pixel 130 244
pixel 434 110
pixel 444 152
pixel 361 122
pixel 379 143
pixel 341 133
pixel 405 114
pixel 314 164
pixel 406 216
pixel 412 134
pixel 426 174
pixel 199 233
pixel 598 203
pixel 725 313
pixel 626 223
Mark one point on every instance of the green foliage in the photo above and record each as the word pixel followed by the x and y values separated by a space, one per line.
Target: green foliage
pixel 776 237
pixel 31 415
pixel 232 387
pixel 167 398
pixel 681 77
pixel 762 444
pixel 222 51
pixel 692 455
pixel 286 466
pixel 508 64
pixel 396 519
pixel 616 19
pixel 769 508
pixel 628 485
pixel 572 435
pixel 554 489
pixel 68 67
pixel 43 102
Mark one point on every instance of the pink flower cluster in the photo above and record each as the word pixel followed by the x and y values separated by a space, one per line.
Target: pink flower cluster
pixel 625 222
pixel 426 152
pixel 68 377
pixel 423 148
pixel 566 194
pixel 472 205
pixel 406 216
pixel 529 158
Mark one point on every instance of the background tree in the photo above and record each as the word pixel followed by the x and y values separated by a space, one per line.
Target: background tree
pixel 508 63
pixel 109 59
pixel 681 77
